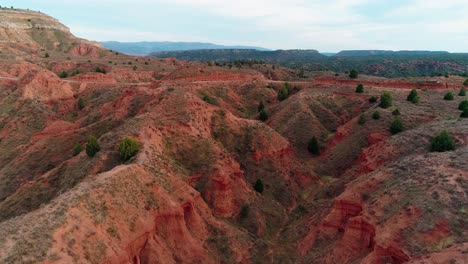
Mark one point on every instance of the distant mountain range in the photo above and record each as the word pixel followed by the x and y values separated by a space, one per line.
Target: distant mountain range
pixel 227 55
pixel 352 53
pixel 145 47
pixel 370 62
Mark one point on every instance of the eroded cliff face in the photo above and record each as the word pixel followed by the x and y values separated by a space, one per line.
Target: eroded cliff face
pixel 26 32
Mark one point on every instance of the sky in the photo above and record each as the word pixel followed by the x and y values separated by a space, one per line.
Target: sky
pixel 325 25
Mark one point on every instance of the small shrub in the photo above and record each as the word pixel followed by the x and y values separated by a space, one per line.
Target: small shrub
pixel 283 93
pixel 92 147
pixel 360 88
pixel 462 92
pixel 396 112
pixel 100 70
pixel 385 100
pixel 412 95
pixel 466 82
pixel 313 146
pixel 448 96
pixel 77 150
pixel 244 211
pixel 128 147
pixel 464 113
pixel 373 99
pixel 63 74
pixel 263 115
pixel 353 74
pixel 80 104
pixel 260 107
pixel 443 142
pixel 46 55
pixel 463 105
pixel 396 126
pixel 376 115
pixel 362 119
pixel 258 187
pixel 135 68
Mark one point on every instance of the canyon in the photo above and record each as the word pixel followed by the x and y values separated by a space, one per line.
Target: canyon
pixel 190 194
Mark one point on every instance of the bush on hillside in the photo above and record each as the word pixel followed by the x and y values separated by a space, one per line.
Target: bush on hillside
pixel 360 88
pixel 92 147
pixel 464 113
pixel 396 112
pixel 128 147
pixel 376 115
pixel 260 107
pixel 63 74
pixel 284 92
pixel 396 126
pixel 77 150
pixel 362 119
pixel 263 115
pixel 463 105
pixel 413 96
pixel 80 103
pixel 448 96
pixel 373 99
pixel 353 74
pixel 244 211
pixel 462 92
pixel 313 146
pixel 443 142
pixel 466 82
pixel 258 187
pixel 385 100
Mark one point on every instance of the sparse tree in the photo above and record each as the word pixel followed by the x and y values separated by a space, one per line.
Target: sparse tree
pixel 353 74
pixel 385 100
pixel 443 142
pixel 396 112
pixel 284 92
pixel 80 104
pixel 466 82
pixel 464 113
pixel 77 150
pixel 376 115
pixel 396 126
pixel 263 115
pixel 63 74
pixel 46 55
pixel 462 92
pixel 463 105
pixel 92 147
pixel 260 107
pixel 128 147
pixel 362 119
pixel 360 88
pixel 244 211
pixel 373 99
pixel 448 96
pixel 258 187
pixel 413 96
pixel 313 146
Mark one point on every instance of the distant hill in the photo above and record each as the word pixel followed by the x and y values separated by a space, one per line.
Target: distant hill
pixel 378 63
pixel 227 55
pixel 351 53
pixel 145 47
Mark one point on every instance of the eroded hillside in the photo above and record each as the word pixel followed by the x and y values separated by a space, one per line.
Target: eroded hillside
pixel 191 195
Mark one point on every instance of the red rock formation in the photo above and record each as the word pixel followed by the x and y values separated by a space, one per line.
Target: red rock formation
pixel 44 86
pixel 85 49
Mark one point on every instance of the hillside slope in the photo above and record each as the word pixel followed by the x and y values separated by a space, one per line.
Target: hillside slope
pixel 211 182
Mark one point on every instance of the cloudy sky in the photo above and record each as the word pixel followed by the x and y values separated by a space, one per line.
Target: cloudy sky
pixel 326 25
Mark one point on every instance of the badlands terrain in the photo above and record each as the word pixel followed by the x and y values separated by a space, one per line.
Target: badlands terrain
pixel 223 173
